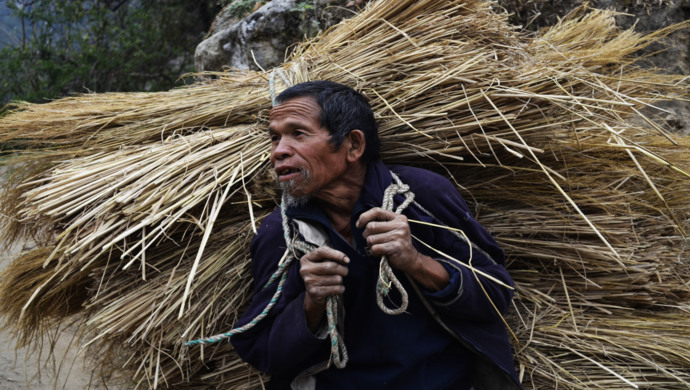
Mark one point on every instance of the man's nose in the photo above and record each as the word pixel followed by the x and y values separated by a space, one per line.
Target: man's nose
pixel 281 149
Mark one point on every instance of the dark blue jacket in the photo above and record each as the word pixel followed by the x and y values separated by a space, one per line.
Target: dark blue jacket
pixel 283 346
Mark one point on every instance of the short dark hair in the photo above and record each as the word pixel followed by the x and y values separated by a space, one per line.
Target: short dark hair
pixel 342 110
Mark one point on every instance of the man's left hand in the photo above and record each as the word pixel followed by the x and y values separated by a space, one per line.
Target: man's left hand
pixel 388 233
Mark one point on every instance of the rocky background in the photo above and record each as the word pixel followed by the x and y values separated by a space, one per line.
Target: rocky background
pixel 250 34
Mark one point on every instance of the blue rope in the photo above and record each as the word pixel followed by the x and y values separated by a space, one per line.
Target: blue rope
pixel 281 273
pixel 249 325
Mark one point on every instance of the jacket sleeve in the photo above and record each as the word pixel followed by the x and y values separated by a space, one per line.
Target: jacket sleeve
pixel 281 343
pixel 469 295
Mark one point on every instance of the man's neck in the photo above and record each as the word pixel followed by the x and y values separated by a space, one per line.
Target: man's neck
pixel 338 204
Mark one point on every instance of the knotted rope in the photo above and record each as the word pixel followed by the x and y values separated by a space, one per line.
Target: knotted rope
pixel 387 279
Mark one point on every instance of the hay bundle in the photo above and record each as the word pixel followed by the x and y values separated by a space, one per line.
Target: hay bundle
pixel 144 204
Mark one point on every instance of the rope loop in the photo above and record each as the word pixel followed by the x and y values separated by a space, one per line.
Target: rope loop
pixel 387 278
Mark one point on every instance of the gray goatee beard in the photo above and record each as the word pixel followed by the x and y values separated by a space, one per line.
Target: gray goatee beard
pixel 289 188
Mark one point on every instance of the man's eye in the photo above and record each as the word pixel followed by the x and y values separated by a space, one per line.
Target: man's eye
pixel 274 138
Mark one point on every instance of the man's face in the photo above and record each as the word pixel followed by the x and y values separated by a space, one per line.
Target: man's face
pixel 305 162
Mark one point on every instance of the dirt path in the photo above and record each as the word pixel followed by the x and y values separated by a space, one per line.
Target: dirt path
pixel 22 370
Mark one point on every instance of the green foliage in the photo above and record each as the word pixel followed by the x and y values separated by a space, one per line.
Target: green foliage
pixel 240 8
pixel 71 46
pixel 302 6
pixel 308 26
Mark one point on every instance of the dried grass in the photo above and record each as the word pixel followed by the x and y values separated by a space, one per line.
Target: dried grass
pixel 144 203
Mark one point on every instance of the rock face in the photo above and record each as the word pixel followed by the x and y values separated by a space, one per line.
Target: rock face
pixel 672 56
pixel 269 31
pixel 647 16
pixel 264 36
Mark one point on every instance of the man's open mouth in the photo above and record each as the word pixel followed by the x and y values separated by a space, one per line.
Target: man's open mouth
pixel 287 173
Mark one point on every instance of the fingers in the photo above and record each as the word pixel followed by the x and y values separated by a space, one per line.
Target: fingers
pixel 376 214
pixel 388 233
pixel 378 221
pixel 324 253
pixel 319 289
pixel 323 271
pixel 382 227
pixel 388 248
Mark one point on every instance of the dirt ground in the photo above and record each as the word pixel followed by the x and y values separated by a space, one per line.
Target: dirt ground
pixel 20 369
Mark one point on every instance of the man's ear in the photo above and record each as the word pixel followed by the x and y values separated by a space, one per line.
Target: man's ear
pixel 355 144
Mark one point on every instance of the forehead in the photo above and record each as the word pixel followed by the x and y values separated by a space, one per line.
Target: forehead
pixel 297 109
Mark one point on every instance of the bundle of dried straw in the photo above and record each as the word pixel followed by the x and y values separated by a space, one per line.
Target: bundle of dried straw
pixel 143 204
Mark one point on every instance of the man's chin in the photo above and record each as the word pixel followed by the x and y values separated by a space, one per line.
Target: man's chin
pixel 293 201
pixel 294 196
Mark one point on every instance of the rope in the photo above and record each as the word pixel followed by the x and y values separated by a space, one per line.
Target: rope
pixel 338 350
pixel 280 273
pixel 387 279
pixel 272 86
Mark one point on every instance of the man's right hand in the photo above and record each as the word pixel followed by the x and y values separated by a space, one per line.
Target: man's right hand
pixel 322 270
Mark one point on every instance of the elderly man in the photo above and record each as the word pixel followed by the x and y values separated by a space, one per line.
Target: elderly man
pixel 449 333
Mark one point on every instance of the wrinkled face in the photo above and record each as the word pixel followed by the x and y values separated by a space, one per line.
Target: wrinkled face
pixel 305 162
